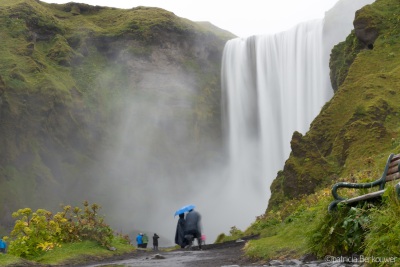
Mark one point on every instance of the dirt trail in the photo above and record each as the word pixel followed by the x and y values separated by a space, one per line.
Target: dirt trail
pixel 225 254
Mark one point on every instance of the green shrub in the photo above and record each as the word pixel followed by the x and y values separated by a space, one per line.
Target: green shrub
pixel 220 238
pixel 33 232
pixel 340 232
pixel 234 234
pixel 366 229
pixel 382 239
pixel 36 232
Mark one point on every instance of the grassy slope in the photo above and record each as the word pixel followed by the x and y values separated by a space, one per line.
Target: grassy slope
pixel 356 130
pixel 53 106
pixel 68 254
pixel 350 140
pixel 52 101
pixel 353 135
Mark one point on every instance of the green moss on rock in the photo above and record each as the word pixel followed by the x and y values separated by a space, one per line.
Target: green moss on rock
pixel 361 121
pixel 68 70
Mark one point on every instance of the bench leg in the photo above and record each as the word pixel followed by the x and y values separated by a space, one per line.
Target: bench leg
pixel 333 205
pixel 397 188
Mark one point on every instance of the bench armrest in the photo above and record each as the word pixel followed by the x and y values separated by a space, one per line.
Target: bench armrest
pixel 355 185
pixel 381 182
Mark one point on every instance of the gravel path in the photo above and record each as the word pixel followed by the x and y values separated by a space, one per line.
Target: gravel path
pixel 228 254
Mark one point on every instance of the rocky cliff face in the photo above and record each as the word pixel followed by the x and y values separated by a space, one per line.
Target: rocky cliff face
pixel 69 71
pixel 357 129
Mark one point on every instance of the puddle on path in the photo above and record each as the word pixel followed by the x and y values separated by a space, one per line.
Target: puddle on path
pixel 178 258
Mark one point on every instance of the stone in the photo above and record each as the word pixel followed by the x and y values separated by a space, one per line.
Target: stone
pixel 275 263
pixel 158 257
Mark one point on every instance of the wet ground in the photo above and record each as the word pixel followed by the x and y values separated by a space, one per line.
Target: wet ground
pixel 226 254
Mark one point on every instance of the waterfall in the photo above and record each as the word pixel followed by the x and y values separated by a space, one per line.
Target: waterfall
pixel 272 86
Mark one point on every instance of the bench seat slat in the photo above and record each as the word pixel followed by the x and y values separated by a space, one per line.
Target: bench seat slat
pixel 364 197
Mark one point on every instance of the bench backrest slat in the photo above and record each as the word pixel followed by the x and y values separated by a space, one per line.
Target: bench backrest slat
pixel 395 160
pixel 397 156
pixel 393 171
pixel 393 176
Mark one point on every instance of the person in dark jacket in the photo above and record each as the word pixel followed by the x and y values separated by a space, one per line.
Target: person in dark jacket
pixel 180 231
pixel 193 227
pixel 155 242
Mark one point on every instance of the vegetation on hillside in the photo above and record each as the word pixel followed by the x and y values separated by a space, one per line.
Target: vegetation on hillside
pixel 68 71
pixel 44 237
pixel 39 231
pixel 358 128
pixel 304 228
pixel 350 140
pixel 52 55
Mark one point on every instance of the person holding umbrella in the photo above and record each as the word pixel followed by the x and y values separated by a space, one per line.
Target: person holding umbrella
pixel 180 228
pixel 193 227
pixel 180 231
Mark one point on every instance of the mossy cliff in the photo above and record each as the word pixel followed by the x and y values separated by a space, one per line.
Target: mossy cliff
pixel 65 74
pixel 359 127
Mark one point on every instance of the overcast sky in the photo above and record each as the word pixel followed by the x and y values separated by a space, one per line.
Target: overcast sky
pixel 242 18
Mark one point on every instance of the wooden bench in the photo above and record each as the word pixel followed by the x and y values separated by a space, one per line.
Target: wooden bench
pixel 390 173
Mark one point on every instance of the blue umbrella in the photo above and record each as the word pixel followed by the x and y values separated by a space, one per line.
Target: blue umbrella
pixel 184 209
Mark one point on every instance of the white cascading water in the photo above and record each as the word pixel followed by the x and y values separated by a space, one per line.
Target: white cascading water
pixel 272 85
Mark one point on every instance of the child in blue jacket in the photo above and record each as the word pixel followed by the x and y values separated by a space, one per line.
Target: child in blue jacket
pixel 3 246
